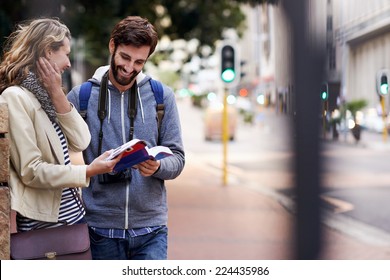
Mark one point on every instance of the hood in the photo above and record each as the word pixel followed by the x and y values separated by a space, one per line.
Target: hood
pixel 98 75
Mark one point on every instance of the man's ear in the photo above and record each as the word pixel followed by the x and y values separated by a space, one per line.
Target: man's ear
pixel 111 46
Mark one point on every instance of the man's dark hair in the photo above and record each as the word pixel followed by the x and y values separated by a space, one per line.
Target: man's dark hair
pixel 135 31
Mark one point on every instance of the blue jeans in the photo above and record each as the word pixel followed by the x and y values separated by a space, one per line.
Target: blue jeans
pixel 152 246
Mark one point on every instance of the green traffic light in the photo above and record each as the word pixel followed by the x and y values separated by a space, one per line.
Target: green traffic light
pixel 228 75
pixel 384 87
pixel 228 63
pixel 324 91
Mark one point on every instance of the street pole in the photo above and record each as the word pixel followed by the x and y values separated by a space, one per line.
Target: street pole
pixel 230 74
pixel 225 128
pixel 384 118
pixel 324 117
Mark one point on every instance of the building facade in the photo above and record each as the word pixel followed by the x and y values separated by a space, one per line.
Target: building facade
pixel 356 35
pixel 267 44
pixel 362 41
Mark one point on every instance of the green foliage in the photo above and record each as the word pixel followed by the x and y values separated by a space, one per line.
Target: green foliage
pixel 178 19
pixel 168 77
pixel 257 2
pixel 355 105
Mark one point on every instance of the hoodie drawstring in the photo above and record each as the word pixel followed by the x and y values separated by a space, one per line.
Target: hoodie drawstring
pixel 109 106
pixel 140 104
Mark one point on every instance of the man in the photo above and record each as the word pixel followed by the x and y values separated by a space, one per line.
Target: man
pixel 127 212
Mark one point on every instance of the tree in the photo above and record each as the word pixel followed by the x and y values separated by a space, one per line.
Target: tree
pixel 354 106
pixel 93 20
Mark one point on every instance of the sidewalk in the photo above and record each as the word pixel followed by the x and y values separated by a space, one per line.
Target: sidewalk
pixel 210 221
pixel 369 140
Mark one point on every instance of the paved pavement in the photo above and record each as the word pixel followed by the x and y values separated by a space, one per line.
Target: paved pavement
pixel 241 221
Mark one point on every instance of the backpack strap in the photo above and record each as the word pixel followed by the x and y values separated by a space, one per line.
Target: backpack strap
pixel 159 96
pixel 85 93
pixel 157 88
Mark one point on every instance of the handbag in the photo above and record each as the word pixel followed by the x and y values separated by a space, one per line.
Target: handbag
pixel 68 242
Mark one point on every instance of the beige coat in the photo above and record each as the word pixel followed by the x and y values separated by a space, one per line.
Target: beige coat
pixel 37 170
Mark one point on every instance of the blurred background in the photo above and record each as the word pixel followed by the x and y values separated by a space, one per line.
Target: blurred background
pixel 303 172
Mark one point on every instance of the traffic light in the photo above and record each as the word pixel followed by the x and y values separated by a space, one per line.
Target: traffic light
pixel 243 92
pixel 384 85
pixel 324 91
pixel 228 64
pixel 382 82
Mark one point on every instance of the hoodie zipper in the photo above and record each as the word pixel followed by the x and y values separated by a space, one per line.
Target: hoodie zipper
pixel 124 141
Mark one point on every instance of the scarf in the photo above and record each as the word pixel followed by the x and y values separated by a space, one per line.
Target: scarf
pixel 33 84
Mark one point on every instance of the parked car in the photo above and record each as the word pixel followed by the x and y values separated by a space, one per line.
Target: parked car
pixel 213 122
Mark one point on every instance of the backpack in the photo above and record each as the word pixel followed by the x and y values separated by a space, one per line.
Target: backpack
pixel 85 93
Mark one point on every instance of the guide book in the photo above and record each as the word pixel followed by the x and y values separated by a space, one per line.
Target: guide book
pixel 136 151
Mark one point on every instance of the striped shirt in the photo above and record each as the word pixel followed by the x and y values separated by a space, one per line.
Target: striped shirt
pixel 71 209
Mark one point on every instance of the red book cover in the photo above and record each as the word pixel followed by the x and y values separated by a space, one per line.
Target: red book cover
pixel 136 151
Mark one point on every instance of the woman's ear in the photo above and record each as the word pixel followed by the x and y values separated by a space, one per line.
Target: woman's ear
pixel 48 53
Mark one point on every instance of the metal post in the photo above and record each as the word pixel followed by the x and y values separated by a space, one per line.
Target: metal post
pixel 324 117
pixel 225 132
pixel 384 118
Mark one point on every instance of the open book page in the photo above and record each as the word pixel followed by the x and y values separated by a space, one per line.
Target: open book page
pixel 159 152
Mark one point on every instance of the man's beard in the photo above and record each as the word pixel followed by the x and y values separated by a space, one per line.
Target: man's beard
pixel 121 80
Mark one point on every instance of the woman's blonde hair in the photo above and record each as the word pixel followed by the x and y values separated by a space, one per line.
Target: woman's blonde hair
pixel 26 45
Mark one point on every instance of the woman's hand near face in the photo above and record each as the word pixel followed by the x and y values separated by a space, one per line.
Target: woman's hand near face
pixel 51 79
pixel 49 75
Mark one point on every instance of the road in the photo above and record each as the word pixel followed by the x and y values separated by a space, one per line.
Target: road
pixel 356 177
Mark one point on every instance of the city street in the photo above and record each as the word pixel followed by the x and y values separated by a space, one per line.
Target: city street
pixel 252 216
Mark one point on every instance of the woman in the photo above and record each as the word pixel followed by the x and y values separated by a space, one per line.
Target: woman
pixel 43 128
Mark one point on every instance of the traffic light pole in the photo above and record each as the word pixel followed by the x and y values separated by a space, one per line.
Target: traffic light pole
pixel 230 75
pixel 324 117
pixel 382 98
pixel 225 132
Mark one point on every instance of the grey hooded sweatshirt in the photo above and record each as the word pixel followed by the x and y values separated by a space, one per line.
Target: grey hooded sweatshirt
pixel 141 201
